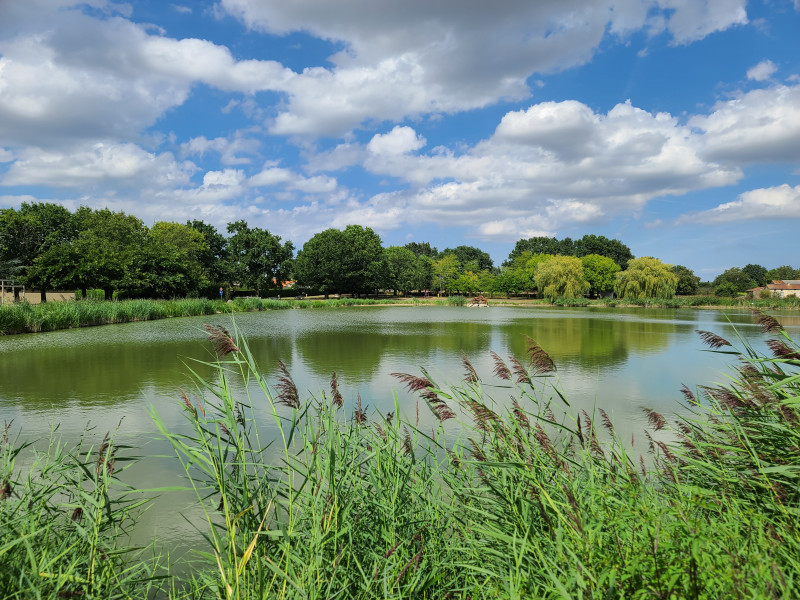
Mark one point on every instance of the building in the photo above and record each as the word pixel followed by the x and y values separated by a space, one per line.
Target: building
pixel 780 288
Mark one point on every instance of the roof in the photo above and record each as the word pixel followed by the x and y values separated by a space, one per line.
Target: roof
pixel 785 284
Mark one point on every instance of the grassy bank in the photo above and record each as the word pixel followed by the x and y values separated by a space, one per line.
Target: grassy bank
pixel 518 501
pixel 32 318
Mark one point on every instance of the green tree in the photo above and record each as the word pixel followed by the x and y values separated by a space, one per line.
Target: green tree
pixel 214 259
pixel 169 263
pixel 736 277
pixel 335 261
pixel 542 245
pixel 366 265
pixel 757 273
pixel 470 254
pixel 445 271
pixel 28 233
pixel 320 263
pixel 599 244
pixel 422 249
pixel 646 277
pixel 726 289
pixel 423 272
pixel 600 272
pixel 258 259
pixel 782 273
pixel 561 277
pixel 402 269
pixel 688 282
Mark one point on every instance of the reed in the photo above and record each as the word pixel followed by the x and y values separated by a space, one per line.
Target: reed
pixel 63 521
pixel 515 498
pixel 522 499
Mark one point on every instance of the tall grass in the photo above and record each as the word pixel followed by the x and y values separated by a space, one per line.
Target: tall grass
pixel 63 521
pixel 23 317
pixel 520 500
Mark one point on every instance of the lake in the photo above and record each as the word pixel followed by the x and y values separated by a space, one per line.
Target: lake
pixel 92 379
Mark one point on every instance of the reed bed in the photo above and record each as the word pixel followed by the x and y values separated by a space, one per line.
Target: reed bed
pixel 510 494
pixel 62 522
pixel 23 317
pixel 523 501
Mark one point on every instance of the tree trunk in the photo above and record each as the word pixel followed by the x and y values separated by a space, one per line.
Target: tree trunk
pixel 83 293
pixel 16 294
pixel 109 293
pixel 43 295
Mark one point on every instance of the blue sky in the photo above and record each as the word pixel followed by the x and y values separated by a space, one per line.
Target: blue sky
pixel 673 125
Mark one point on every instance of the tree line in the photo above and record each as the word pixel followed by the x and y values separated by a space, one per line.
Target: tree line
pixel 46 247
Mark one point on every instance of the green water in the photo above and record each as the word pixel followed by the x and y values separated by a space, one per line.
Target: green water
pixel 94 379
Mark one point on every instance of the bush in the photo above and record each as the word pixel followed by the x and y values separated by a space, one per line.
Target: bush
pixel 726 290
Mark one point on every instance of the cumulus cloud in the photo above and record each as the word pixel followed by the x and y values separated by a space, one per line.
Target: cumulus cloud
pixel 229 150
pixel 780 202
pixel 546 167
pixel 759 126
pixel 273 176
pixel 442 57
pixel 99 164
pixel 762 71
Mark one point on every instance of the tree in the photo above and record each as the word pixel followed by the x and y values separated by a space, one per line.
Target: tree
pixel 402 268
pixel 782 273
pixel 352 260
pixel 28 233
pixel 726 290
pixel 366 265
pixel 688 282
pixel 422 249
pixel 214 259
pixel 561 277
pixel 169 264
pixel 423 272
pixel 258 259
pixel 646 277
pixel 757 273
pixel 106 251
pixel 320 263
pixel 541 245
pixel 599 244
pixel 445 271
pixel 471 254
pixel 600 272
pixel 736 277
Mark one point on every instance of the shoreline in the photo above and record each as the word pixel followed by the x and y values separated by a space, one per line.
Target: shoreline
pixel 24 318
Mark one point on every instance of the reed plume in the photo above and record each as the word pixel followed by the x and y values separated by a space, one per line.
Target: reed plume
pixel 336 397
pixel 501 370
pixel 471 375
pixel 287 390
pixel 712 340
pixel 222 339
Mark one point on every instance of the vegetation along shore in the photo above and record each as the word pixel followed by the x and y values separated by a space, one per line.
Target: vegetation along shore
pixel 522 499
pixel 22 317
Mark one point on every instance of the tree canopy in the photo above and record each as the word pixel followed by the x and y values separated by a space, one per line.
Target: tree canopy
pixel 599 272
pixel 561 277
pixel 257 257
pixel 688 282
pixel 646 277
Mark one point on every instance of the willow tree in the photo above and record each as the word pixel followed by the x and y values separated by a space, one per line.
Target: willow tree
pixel 646 277
pixel 561 277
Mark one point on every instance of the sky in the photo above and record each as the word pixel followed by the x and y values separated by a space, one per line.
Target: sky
pixel 671 125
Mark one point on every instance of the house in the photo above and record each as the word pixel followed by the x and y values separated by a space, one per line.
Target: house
pixel 782 288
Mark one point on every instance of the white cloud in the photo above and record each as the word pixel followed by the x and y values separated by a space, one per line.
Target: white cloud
pixel 228 149
pixel 759 126
pixel 780 202
pixel 99 164
pixel 6 155
pixel 275 176
pixel 404 60
pixel 400 140
pixel 547 167
pixel 762 71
